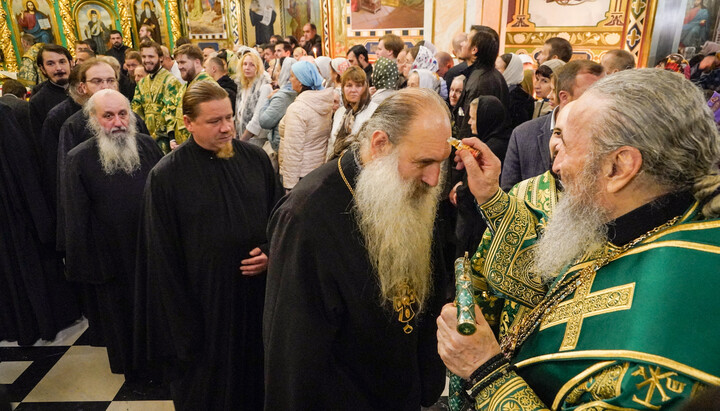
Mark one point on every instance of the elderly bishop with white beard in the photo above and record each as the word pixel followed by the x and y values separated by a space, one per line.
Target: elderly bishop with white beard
pixel 105 177
pixel 355 279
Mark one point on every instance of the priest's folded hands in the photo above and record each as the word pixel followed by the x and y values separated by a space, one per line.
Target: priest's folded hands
pixel 256 264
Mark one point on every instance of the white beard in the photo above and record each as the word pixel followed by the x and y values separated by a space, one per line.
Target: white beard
pixel 118 150
pixel 576 228
pixel 396 218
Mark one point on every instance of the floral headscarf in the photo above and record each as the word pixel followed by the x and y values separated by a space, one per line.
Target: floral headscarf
pixel 425 60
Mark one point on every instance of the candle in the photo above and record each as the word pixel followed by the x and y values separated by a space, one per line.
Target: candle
pixel 315 52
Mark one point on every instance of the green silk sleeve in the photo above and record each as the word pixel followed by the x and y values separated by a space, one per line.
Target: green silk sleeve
pixel 170 100
pixel 507 391
pixel 27 74
pixel 181 133
pixel 137 103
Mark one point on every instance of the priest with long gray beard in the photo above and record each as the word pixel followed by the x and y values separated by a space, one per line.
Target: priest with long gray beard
pixel 105 177
pixel 355 277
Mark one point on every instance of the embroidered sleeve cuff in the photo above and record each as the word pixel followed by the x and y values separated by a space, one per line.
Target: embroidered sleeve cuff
pixel 494 209
pixel 504 389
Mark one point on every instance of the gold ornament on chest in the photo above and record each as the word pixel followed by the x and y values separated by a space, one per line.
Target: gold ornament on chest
pixel 404 305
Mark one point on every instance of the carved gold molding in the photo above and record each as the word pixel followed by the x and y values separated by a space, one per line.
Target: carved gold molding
pixel 174 20
pixel 126 20
pixel 7 47
pixel 68 23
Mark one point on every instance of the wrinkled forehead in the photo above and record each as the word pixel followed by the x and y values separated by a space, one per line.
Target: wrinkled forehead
pixel 427 136
pixel 582 115
pixel 111 103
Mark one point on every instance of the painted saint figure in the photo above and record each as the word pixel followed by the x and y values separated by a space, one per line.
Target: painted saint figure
pixel 695 27
pixel 97 31
pixel 36 23
pixel 149 18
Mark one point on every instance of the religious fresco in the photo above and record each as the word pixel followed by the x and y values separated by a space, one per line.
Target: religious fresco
pixel 300 12
pixel 152 14
pixel 700 24
pixel 37 18
pixel 205 19
pixel 94 22
pixel 346 34
pixel 388 14
pixel 608 24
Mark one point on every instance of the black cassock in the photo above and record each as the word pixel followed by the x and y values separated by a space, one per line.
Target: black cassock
pixel 35 299
pixel 48 96
pixel 74 131
pixel 196 312
pixel 103 213
pixel 329 341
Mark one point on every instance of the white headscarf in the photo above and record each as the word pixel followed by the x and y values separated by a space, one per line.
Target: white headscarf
pixel 425 59
pixel 323 65
pixel 514 71
pixel 284 77
pixel 428 79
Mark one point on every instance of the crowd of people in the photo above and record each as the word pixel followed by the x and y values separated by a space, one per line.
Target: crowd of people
pixel 272 228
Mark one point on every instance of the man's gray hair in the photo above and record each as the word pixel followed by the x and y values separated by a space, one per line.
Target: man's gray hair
pixel 665 117
pixel 89 106
pixel 396 113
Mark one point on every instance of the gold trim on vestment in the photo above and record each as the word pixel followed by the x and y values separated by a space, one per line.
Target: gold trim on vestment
pixel 625 355
pixel 602 405
pixel 707 248
pixel 699 225
pixel 565 389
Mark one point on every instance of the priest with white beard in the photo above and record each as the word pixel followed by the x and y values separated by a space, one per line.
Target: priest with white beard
pixel 105 177
pixel 355 277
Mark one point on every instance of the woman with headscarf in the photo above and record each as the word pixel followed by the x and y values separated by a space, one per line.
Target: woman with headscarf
pixel 423 78
pixel 521 104
pixel 487 122
pixel 305 129
pixel 543 87
pixel 338 65
pixel 275 107
pixel 425 60
pixel 384 77
pixel 356 110
pixel 254 84
pixel 323 66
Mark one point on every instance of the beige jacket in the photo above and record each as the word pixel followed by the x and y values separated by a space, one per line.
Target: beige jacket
pixel 304 134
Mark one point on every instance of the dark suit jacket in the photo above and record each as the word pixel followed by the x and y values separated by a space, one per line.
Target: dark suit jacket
pixel 20 109
pixel 528 153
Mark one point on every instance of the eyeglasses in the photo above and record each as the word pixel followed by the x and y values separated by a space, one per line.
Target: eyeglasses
pixel 99 81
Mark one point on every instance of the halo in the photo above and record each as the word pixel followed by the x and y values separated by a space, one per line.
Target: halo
pixel 92 8
pixel 148 2
pixel 25 2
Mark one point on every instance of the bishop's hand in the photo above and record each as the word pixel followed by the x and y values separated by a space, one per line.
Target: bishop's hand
pixel 483 172
pixel 254 265
pixel 463 354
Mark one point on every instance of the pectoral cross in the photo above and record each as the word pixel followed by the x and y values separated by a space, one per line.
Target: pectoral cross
pixel 585 304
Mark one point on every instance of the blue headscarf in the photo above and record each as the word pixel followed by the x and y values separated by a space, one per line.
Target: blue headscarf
pixel 308 74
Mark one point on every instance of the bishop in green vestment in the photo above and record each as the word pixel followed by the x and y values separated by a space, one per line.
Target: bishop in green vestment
pixel 612 307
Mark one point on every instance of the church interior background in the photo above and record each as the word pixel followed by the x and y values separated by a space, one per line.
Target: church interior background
pixel 650 29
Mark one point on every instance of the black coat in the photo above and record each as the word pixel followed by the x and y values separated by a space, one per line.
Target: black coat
pixel 521 106
pixel 48 96
pixel 480 81
pixel 20 109
pixel 528 153
pixel 230 86
pixel 118 53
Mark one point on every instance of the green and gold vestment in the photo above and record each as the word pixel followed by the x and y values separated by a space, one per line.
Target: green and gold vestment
pixel 156 99
pixel 30 74
pixel 640 334
pixel 181 133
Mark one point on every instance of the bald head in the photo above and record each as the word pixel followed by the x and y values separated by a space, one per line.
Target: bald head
pixel 617 60
pixel 110 109
pixel 445 62
pixel 457 42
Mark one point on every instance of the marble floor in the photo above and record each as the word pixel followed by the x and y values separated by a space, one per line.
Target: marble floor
pixel 68 374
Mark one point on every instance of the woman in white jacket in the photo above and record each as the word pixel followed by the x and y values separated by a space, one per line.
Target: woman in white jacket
pixel 305 129
pixel 253 92
pixel 356 110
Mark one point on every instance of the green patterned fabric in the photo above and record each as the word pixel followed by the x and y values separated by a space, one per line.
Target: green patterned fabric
pixel 627 338
pixel 155 100
pixel 181 133
pixel 30 74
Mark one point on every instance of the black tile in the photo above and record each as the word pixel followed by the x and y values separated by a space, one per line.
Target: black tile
pixel 84 339
pixel 43 359
pixel 143 391
pixel 63 406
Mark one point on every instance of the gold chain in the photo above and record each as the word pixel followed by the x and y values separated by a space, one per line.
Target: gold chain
pixel 342 174
pixel 517 336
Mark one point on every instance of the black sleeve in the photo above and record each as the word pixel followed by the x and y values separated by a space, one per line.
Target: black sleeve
pixel 511 169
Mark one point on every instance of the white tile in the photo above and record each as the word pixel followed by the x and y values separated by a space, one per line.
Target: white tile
pixel 11 370
pixel 141 406
pixel 14 405
pixel 82 374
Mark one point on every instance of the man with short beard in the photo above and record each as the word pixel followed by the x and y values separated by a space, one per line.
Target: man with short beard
pixel 105 177
pixel 202 258
pixel 156 96
pixel 355 280
pixel 55 63
pixel 629 259
pixel 118 49
pixel 189 59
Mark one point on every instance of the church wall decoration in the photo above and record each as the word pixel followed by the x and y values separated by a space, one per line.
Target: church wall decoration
pixel 592 27
pixel 297 13
pixel 700 23
pixel 261 20
pixel 152 13
pixel 94 20
pixel 206 19
pixel 371 19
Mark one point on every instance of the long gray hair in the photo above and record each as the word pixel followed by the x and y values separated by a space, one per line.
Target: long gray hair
pixel 665 117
